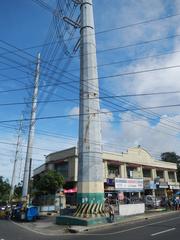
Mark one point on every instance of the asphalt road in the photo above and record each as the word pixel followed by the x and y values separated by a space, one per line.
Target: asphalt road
pixel 162 228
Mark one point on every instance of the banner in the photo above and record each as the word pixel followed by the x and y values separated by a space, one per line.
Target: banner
pixel 129 184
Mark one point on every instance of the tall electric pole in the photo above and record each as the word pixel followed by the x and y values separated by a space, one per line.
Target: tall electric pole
pixel 90 194
pixel 31 131
pixel 13 180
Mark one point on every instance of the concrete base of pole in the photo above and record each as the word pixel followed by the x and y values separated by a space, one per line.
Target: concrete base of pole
pixel 90 210
pixel 71 221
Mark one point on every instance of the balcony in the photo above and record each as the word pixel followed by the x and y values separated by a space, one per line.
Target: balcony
pixel 147 178
pixel 113 175
pixel 172 180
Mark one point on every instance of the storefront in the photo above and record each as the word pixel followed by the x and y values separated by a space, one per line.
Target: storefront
pixel 174 186
pixel 110 192
pixel 161 189
pixel 71 195
pixel 149 187
pixel 129 190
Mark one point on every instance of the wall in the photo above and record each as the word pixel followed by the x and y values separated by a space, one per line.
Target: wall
pixel 131 209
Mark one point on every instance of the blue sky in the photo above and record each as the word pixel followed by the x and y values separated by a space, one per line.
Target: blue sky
pixel 24 25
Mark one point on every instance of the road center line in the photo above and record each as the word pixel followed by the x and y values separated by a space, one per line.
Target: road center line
pixel 168 230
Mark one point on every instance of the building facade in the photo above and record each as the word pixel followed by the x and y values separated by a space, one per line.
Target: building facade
pixel 159 177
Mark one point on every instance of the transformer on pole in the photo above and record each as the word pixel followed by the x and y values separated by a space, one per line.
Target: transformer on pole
pixel 31 132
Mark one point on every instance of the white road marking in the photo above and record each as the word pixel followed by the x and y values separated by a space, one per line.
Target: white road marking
pixel 168 230
pixel 99 234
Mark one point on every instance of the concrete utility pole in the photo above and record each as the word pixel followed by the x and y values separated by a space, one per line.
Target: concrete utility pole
pixel 90 194
pixel 31 132
pixel 13 180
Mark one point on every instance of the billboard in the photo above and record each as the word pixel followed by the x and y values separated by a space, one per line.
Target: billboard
pixel 129 184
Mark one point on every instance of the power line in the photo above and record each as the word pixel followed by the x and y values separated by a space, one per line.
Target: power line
pixel 72 139
pixel 106 112
pixel 103 77
pixel 107 97
pixel 14 144
pixel 105 31
pixel 131 60
pixel 118 47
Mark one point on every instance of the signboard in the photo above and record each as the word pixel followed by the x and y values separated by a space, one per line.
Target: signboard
pixel 129 184
pixel 163 185
pixel 110 182
pixel 72 190
pixel 175 187
pixel 150 185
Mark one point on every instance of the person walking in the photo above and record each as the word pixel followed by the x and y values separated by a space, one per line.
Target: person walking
pixel 177 200
pixel 111 213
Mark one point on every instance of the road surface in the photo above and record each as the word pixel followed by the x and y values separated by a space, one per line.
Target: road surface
pixel 166 227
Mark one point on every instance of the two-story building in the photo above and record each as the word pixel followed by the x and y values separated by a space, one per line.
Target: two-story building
pixel 159 177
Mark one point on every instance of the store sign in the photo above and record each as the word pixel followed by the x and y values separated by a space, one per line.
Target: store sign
pixel 72 190
pixel 150 185
pixel 174 186
pixel 110 181
pixel 129 184
pixel 163 185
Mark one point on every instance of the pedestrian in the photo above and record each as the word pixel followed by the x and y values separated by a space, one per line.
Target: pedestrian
pixel 177 201
pixel 111 213
pixel 7 212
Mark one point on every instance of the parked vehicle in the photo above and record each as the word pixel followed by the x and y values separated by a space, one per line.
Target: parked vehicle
pixel 152 201
pixel 25 212
pixel 5 211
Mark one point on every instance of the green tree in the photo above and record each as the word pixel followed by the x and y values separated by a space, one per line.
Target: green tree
pixel 4 189
pixel 174 158
pixel 48 182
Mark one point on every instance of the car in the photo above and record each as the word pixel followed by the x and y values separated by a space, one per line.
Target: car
pixel 152 201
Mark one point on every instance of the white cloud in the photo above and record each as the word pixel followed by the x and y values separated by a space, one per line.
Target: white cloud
pixel 74 111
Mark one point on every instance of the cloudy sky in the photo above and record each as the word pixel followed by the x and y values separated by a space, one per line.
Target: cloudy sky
pixel 138 52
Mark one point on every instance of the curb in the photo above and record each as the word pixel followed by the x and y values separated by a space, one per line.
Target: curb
pixel 79 229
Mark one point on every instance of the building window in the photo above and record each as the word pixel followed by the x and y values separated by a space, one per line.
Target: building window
pixel 146 172
pixel 113 169
pixel 160 173
pixel 62 169
pixel 171 175
pixel 130 171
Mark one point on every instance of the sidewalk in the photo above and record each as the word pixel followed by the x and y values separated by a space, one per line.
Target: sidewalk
pixel 46 224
